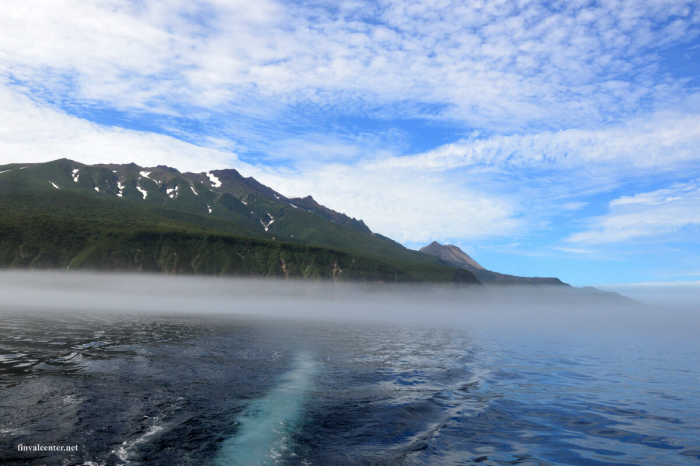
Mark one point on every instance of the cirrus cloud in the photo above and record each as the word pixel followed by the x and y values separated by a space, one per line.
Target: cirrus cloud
pixel 665 213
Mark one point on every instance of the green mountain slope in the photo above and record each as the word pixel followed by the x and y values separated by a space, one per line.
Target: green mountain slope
pixel 220 199
pixel 66 215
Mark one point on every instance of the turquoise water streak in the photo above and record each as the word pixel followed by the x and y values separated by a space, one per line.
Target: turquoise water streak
pixel 264 428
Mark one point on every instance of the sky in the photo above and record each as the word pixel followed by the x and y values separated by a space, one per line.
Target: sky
pixel 543 138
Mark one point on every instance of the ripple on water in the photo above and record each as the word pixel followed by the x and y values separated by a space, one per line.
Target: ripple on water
pixel 186 390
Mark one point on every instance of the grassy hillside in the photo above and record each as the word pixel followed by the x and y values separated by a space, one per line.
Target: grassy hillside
pixel 236 205
pixel 69 230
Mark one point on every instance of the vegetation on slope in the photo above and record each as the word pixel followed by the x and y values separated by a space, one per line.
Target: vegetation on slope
pixel 69 230
pixel 239 206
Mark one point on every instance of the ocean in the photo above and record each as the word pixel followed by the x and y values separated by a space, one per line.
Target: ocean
pixel 200 386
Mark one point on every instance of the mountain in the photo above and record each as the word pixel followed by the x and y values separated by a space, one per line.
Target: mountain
pixel 547 291
pixel 65 214
pixel 454 256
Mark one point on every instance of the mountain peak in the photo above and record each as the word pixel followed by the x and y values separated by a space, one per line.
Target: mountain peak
pixel 451 254
pixel 167 168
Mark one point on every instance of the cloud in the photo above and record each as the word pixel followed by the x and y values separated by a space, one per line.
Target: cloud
pixel 576 250
pixel 407 205
pixel 665 213
pixel 575 205
pixel 503 64
pixel 664 141
pixel 30 133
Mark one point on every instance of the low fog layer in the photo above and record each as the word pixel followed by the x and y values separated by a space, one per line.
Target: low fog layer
pixel 524 309
pixel 673 295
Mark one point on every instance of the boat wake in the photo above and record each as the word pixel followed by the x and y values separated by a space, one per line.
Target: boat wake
pixel 266 425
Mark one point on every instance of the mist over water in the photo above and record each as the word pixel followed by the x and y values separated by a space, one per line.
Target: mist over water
pixel 144 369
pixel 672 295
pixel 672 311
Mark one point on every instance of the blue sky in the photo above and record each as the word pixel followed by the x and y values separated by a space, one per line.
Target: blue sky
pixel 544 138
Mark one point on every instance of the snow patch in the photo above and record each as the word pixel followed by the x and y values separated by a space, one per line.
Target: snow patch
pixel 244 202
pixel 97 189
pixel 54 185
pixel 145 174
pixel 209 208
pixel 293 205
pixel 142 191
pixel 121 188
pixel 276 196
pixel 267 225
pixel 214 180
pixel 76 175
pixel 172 192
pixel 12 169
pixel 195 192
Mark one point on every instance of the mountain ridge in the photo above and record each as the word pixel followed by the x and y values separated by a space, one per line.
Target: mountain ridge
pixel 454 256
pixel 545 289
pixel 130 217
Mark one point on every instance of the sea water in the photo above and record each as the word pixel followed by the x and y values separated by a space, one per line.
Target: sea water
pixel 186 389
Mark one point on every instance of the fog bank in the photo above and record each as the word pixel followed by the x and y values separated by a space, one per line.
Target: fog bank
pixel 526 309
pixel 669 295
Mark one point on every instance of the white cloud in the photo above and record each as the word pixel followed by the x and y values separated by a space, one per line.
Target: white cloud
pixel 32 133
pixel 576 250
pixel 664 213
pixel 406 205
pixel 575 205
pixel 665 141
pixel 499 64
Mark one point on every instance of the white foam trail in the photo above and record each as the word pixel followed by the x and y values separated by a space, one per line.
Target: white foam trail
pixel 265 426
pixel 125 449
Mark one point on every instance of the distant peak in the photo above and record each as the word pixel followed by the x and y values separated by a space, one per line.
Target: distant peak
pixel 451 254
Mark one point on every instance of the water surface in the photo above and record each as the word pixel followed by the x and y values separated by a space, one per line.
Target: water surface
pixel 234 390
